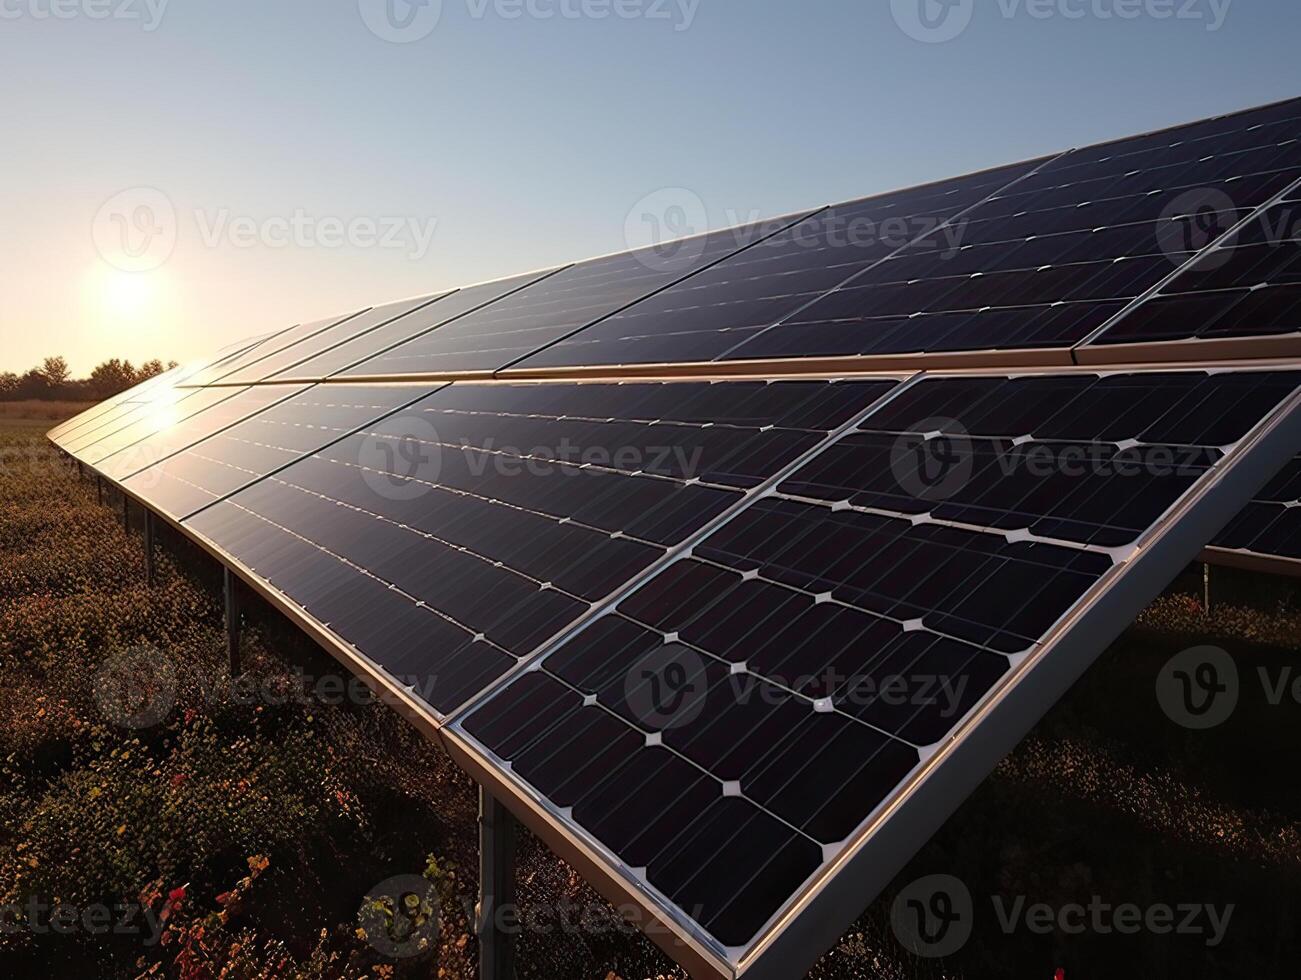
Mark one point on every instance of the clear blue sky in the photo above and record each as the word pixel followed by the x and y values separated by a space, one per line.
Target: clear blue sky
pixel 528 140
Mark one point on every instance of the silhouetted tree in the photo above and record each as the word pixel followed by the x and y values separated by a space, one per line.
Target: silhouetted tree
pixel 112 376
pixel 33 384
pixel 149 369
pixel 55 370
pixel 8 384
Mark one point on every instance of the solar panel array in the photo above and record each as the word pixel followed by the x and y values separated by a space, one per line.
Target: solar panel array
pixel 710 558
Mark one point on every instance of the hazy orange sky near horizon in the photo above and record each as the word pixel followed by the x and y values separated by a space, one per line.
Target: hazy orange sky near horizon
pixel 195 174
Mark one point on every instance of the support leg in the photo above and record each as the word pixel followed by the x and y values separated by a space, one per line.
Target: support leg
pixel 1206 588
pixel 497 834
pixel 149 548
pixel 234 621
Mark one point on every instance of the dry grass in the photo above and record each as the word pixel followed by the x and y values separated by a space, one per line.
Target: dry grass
pixel 38 410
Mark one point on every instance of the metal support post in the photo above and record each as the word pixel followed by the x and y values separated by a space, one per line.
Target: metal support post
pixel 497 837
pixel 234 622
pixel 149 548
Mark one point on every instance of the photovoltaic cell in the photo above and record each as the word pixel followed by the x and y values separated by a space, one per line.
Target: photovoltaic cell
pixel 493 516
pixel 152 390
pixel 1057 256
pixel 156 448
pixel 776 687
pixel 357 327
pixel 1271 524
pixel 164 410
pixel 1250 286
pixel 702 318
pixel 226 368
pixel 518 325
pixel 408 327
pixel 241 454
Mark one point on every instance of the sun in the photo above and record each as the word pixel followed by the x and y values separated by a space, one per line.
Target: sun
pixel 126 295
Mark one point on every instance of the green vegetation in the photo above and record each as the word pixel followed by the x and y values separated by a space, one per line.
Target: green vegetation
pixel 53 382
pixel 252 829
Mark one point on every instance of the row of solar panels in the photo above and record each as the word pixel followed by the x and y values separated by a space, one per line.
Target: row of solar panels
pixel 725 642
pixel 516 556
pixel 1093 255
pixel 143 440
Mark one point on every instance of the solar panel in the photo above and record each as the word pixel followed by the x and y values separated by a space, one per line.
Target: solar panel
pixel 559 304
pixel 157 447
pixel 725 307
pixel 735 647
pixel 1269 529
pixel 1039 264
pixel 161 411
pixel 354 327
pixel 452 539
pixel 794 691
pixel 127 401
pixel 408 327
pixel 1248 286
pixel 300 422
pixel 226 367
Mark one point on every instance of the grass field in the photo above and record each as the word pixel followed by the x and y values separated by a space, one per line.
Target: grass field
pixel 38 410
pixel 248 827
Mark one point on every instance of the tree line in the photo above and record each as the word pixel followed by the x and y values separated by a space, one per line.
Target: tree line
pixel 53 380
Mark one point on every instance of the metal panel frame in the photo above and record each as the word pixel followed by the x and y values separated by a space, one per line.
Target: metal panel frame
pixel 814 919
